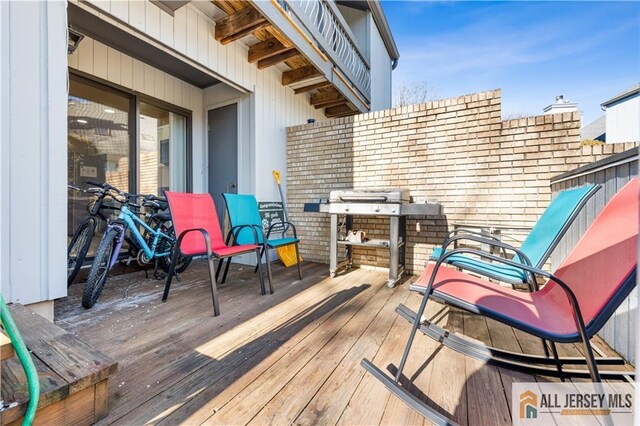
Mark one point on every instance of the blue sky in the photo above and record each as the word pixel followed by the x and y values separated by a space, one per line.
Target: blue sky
pixel 533 51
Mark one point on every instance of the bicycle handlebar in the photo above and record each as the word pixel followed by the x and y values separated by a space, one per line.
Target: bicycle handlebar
pixel 119 196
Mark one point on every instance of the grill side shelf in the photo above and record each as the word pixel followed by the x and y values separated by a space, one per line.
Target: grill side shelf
pixel 376 244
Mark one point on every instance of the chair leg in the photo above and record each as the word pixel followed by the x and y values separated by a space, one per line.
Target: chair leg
pixel 226 269
pixel 554 350
pixel 266 259
pixel 214 287
pixel 298 259
pixel 172 271
pixel 545 348
pixel 414 329
pixel 591 361
pixel 259 260
pixel 219 268
pixel 263 289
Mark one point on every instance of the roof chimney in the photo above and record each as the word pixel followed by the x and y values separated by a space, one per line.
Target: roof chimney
pixel 561 105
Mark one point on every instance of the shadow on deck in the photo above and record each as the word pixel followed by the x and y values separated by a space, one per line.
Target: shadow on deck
pixel 293 356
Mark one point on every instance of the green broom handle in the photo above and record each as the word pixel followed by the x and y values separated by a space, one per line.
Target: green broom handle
pixel 25 359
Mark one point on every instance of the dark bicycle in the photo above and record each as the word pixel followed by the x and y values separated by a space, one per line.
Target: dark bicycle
pixel 98 209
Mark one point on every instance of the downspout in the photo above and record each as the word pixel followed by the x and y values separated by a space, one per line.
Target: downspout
pixel 394 63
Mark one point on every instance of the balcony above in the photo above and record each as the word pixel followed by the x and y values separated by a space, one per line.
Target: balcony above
pixel 311 44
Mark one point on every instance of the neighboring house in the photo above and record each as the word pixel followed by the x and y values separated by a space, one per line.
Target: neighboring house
pixel 192 96
pixel 621 121
pixel 595 131
pixel 623 116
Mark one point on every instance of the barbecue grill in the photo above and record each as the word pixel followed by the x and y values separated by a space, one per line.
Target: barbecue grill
pixel 395 203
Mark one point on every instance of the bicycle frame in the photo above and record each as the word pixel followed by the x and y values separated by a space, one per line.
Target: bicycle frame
pixel 132 221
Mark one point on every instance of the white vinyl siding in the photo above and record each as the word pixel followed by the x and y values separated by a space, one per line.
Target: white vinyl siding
pixel 33 151
pixel 359 23
pixel 623 120
pixel 97 59
pixel 380 71
pixel 272 107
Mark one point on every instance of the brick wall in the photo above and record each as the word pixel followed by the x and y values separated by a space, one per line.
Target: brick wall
pixel 457 151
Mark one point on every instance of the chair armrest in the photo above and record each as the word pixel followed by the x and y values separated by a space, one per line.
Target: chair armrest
pixel 205 235
pixel 533 285
pixel 455 231
pixel 530 269
pixel 236 230
pixel 286 228
pixel 489 241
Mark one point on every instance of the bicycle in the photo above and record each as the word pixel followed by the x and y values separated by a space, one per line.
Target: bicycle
pixel 83 236
pixel 150 245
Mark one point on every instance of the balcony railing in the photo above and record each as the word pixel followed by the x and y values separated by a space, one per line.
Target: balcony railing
pixel 332 34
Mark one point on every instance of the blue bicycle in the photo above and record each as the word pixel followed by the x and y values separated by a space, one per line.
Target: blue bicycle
pixel 154 243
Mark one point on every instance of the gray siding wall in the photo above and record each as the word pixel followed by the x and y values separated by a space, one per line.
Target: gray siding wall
pixel 623 120
pixel 621 330
pixel 380 71
pixel 358 21
pixel 33 151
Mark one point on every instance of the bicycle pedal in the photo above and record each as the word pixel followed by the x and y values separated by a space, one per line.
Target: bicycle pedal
pixel 178 278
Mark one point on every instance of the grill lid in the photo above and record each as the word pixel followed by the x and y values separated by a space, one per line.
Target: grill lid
pixel 394 195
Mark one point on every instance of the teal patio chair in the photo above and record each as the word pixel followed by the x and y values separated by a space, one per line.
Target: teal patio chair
pixel 536 248
pixel 244 217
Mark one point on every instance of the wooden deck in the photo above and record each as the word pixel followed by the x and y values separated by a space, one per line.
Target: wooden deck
pixel 290 357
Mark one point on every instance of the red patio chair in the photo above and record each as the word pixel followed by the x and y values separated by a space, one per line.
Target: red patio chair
pixel 196 224
pixel 574 305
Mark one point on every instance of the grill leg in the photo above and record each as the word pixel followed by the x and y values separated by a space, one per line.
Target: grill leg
pixel 333 246
pixel 394 234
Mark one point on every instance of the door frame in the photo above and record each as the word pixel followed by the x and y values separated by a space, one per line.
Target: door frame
pixel 244 164
pixel 245 156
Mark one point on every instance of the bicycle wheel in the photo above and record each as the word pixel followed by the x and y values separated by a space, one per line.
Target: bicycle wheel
pixel 99 269
pixel 78 249
pixel 165 261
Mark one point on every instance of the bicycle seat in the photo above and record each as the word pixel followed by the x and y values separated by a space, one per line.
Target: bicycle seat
pixel 164 216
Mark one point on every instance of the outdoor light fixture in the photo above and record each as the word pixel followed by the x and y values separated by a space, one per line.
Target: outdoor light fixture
pixel 73 40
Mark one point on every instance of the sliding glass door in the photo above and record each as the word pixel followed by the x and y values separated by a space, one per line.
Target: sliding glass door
pixel 134 143
pixel 163 150
pixel 98 145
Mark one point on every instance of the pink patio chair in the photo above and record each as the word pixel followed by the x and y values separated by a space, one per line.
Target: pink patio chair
pixel 572 307
pixel 196 224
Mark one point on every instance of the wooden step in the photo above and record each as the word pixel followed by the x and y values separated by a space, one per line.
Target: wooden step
pixel 73 375
pixel 6 348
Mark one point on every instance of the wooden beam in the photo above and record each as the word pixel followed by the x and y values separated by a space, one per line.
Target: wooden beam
pixel 266 49
pixel 311 87
pixel 338 111
pixel 244 32
pixel 331 103
pixel 224 5
pixel 276 33
pixel 330 96
pixel 6 348
pixel 299 74
pixel 239 24
pixel 276 59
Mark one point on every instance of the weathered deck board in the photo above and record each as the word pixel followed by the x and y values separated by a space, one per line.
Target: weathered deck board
pixel 6 348
pixel 288 358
